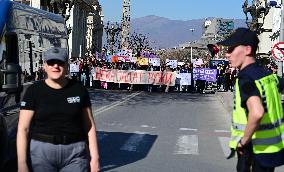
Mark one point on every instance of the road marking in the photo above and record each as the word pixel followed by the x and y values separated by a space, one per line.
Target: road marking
pixel 187 145
pixel 188 129
pixel 222 131
pixel 147 126
pixel 133 142
pixel 117 103
pixel 224 141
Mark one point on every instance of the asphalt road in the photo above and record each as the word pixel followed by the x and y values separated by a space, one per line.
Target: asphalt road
pixel 169 132
pixel 153 132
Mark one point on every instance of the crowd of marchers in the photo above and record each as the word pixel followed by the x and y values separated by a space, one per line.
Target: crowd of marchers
pixel 225 77
pixel 87 66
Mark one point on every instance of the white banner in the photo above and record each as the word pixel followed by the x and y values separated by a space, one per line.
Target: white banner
pixel 171 63
pixel 126 53
pixel 197 62
pixel 154 61
pixel 74 68
pixel 180 63
pixel 185 78
pixel 133 59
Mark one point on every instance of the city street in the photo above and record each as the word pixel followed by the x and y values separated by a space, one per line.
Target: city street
pixel 160 79
pixel 140 131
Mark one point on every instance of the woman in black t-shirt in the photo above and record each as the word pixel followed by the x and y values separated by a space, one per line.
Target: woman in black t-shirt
pixel 56 114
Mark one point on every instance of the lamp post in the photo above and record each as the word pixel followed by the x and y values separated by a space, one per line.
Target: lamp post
pixel 191 46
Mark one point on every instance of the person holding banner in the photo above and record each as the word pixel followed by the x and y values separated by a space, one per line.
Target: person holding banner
pixel 257 119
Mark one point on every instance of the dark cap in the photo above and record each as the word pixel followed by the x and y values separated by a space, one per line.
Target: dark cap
pixel 241 36
pixel 55 53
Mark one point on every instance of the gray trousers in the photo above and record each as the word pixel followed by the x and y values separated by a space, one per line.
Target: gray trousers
pixel 47 157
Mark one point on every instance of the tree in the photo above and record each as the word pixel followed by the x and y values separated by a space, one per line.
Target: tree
pixel 138 43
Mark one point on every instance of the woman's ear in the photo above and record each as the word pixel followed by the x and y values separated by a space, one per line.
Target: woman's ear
pixel 44 66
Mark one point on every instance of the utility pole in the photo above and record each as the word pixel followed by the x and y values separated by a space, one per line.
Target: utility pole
pixel 281 39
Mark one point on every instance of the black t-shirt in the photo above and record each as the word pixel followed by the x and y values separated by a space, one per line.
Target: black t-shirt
pixel 247 86
pixel 57 111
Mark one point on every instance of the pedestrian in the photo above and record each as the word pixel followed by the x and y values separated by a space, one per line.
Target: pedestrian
pixel 257 118
pixel 56 122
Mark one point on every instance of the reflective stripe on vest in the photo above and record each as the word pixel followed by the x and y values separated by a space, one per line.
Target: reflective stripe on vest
pixel 241 127
pixel 263 97
pixel 268 141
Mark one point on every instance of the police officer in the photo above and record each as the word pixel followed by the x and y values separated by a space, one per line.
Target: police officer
pixel 257 121
pixel 56 114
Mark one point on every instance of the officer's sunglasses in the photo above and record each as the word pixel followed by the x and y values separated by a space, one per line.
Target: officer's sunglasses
pixel 54 61
pixel 231 49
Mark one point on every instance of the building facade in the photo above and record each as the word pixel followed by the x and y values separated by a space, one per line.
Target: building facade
pixel 216 29
pixel 83 36
pixel 213 31
pixel 265 20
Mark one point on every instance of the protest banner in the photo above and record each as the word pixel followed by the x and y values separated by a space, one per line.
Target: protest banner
pixel 197 62
pixel 204 74
pixel 135 76
pixel 133 59
pixel 185 78
pixel 114 59
pixel 109 58
pixel 171 63
pixel 180 63
pixel 154 61
pixel 74 68
pixel 125 53
pixel 148 55
pixel 142 61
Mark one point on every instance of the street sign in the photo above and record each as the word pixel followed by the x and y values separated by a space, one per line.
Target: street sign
pixel 278 51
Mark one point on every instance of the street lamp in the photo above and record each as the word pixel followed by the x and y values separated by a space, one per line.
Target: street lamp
pixel 192 29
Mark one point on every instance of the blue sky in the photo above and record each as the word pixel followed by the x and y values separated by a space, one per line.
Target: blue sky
pixel 176 9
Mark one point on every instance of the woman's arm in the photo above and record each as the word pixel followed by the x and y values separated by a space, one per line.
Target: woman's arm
pixel 90 128
pixel 25 118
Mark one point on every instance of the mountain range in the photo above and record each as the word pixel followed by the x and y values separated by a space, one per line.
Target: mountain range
pixel 166 33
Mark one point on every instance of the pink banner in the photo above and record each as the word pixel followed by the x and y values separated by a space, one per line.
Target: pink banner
pixel 135 76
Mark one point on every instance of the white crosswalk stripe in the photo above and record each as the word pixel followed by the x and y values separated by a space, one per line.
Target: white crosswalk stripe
pixel 133 142
pixel 184 145
pixel 187 145
pixel 224 141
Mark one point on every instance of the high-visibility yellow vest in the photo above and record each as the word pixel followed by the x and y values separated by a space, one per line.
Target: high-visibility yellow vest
pixel 269 137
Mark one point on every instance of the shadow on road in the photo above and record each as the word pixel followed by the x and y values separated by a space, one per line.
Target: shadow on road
pixel 119 149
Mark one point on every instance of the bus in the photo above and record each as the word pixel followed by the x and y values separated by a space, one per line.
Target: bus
pixel 25 33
